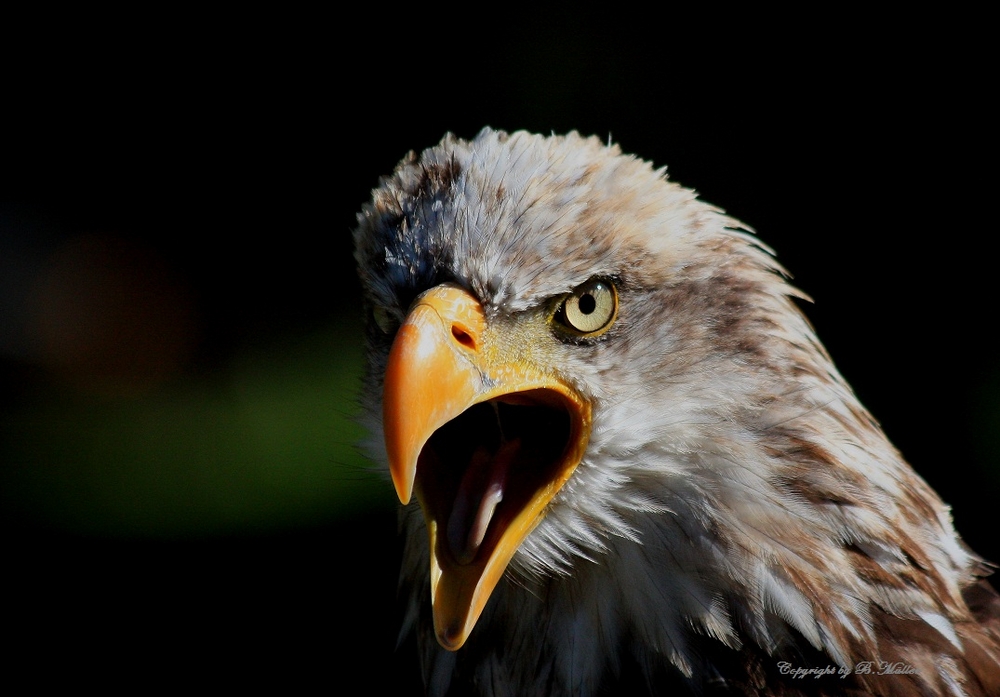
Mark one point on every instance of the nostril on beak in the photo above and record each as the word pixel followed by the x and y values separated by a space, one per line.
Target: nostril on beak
pixel 463 337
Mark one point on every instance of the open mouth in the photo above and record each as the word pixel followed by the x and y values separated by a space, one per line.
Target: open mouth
pixel 484 435
pixel 478 471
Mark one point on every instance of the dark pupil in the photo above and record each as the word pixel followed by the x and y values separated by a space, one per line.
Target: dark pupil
pixel 587 304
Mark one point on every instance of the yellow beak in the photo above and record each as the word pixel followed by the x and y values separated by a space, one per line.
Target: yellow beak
pixel 484 435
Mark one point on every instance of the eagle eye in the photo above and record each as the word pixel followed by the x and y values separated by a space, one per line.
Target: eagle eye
pixel 590 309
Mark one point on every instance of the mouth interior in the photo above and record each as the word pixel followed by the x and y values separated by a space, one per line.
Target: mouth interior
pixel 480 469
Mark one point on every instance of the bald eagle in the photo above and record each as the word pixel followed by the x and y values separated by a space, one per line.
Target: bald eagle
pixel 626 464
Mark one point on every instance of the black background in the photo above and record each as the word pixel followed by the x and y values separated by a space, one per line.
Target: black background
pixel 240 148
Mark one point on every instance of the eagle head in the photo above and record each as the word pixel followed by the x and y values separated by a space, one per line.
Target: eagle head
pixel 620 446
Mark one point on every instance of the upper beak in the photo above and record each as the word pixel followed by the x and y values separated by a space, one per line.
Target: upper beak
pixel 483 480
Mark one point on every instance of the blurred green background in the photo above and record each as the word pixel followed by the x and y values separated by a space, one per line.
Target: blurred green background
pixel 180 344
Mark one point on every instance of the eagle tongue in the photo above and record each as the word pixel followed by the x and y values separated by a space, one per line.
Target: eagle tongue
pixel 479 493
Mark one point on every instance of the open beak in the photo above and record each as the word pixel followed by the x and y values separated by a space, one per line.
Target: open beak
pixel 484 436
